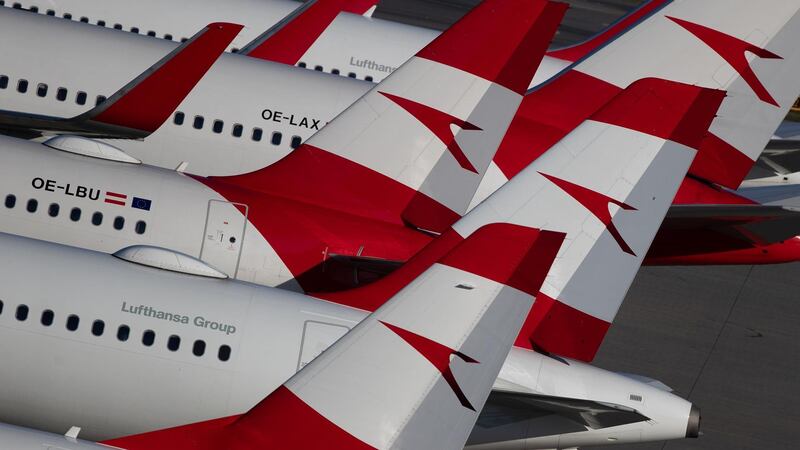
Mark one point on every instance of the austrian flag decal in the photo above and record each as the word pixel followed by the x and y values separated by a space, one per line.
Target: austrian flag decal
pixel 116 199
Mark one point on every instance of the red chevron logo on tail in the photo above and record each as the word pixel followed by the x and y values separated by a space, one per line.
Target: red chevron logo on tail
pixel 439 123
pixel 438 355
pixel 597 204
pixel 733 51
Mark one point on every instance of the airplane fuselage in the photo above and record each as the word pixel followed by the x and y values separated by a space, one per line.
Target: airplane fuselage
pixel 118 348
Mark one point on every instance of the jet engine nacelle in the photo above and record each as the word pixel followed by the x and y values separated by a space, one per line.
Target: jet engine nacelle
pixel 548 402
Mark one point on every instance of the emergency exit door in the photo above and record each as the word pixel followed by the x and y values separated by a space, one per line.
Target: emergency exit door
pixel 224 235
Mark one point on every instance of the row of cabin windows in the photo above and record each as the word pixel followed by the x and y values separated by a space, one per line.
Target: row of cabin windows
pixel 179 118
pixel 42 90
pixel 84 19
pixel 123 332
pixel 75 214
pixel 335 71
pixel 236 131
pixel 168 36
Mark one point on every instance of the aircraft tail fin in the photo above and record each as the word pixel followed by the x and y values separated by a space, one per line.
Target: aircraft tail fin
pixel 431 352
pixel 608 184
pixel 745 48
pixel 288 40
pixel 414 149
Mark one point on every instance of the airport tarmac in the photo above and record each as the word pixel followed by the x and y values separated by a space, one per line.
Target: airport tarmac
pixel 727 338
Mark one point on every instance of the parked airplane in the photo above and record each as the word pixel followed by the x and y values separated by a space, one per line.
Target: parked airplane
pixel 279 238
pixel 402 162
pixel 162 21
pixel 393 44
pixel 380 384
pixel 154 349
pixel 354 45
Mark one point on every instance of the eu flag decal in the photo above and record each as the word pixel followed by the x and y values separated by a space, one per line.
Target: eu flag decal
pixel 141 203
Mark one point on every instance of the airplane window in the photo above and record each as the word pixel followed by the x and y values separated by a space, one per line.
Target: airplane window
pixel 34 9
pixel 237 130
pixel 217 127
pixel 174 343
pixel 47 317
pixel 117 26
pixel 80 98
pixel 148 337
pixel 22 86
pixel 257 133
pixel 84 19
pixel 41 90
pixel 135 30
pixel 32 206
pixel 199 348
pixel 168 37
pixel 101 23
pixel 123 332
pixel 296 141
pixel 68 16
pixel 335 71
pixel 75 214
pixel 198 122
pixel 1 307
pixel 141 226
pixel 22 313
pixel 72 322
pixel 3 82
pixel 301 64
pixel 119 222
pixel 318 68
pixel 179 118
pixel 97 218
pixel 100 99
pixel 98 326
pixel 276 138
pixel 368 78
pixel 184 39
pixel 151 33
pixel 11 201
pixel 2 2
pixel 50 12
pixel 351 75
pixel 61 94
pixel 234 50
pixel 53 209
pixel 16 6
pixel 224 353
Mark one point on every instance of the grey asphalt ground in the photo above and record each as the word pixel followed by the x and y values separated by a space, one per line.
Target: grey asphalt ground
pixel 726 338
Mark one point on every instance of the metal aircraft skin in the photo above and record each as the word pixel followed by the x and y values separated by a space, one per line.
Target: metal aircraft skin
pixel 154 349
pixel 266 227
pixel 292 104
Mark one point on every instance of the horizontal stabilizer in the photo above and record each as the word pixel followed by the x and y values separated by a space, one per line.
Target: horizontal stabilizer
pixel 783 144
pixel 758 224
pixel 144 104
pixel 503 408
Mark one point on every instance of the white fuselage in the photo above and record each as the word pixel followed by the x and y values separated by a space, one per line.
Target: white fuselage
pixel 173 21
pixel 353 46
pixel 184 215
pixel 117 348
pixel 282 105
